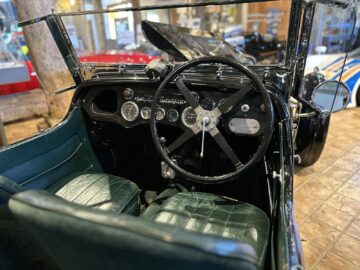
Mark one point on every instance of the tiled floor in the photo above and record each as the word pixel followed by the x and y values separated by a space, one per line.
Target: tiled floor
pixel 327 195
pixel 327 198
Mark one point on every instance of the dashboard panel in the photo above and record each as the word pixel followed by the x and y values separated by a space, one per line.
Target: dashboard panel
pixel 130 105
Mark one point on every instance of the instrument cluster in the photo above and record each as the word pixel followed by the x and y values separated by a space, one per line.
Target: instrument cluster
pixel 172 109
pixel 133 107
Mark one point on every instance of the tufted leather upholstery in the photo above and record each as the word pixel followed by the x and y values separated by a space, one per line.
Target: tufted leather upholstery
pixel 19 250
pixel 80 237
pixel 53 161
pixel 216 215
pixel 102 191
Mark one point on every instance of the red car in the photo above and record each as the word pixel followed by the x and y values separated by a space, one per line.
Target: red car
pixel 106 57
pixel 134 57
pixel 12 88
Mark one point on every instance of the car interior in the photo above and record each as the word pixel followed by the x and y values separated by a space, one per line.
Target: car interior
pixel 148 173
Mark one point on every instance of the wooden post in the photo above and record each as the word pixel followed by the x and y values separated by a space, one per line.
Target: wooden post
pixel 100 27
pixel 137 18
pixel 45 56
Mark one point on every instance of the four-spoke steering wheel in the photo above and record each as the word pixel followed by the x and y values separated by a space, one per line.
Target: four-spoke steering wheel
pixel 207 121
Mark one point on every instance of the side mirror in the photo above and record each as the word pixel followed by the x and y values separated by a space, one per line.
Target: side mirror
pixel 332 96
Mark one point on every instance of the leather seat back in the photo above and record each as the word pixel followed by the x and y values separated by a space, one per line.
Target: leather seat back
pixel 18 248
pixel 81 238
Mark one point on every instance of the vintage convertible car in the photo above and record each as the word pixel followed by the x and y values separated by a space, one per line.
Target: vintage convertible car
pixel 172 165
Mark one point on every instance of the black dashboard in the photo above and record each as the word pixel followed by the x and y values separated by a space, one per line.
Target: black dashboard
pixel 129 105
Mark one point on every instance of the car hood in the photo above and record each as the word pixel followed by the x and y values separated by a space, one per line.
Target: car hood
pixel 186 44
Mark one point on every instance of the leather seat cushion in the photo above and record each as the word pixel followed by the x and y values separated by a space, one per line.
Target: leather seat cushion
pixel 102 191
pixel 216 215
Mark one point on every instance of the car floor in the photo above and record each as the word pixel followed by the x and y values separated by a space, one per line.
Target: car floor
pixel 327 195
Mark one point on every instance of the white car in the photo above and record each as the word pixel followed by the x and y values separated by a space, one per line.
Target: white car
pixel 331 65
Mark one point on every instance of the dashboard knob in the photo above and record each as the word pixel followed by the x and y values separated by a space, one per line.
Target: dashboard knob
pixel 245 108
pixel 157 68
pixel 162 140
pixel 128 93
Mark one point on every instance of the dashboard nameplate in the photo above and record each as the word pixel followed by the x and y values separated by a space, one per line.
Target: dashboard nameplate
pixel 244 126
pixel 162 100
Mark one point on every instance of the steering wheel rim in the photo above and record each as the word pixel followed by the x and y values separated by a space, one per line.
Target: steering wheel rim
pixel 164 153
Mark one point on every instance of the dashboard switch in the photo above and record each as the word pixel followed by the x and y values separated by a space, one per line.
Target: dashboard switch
pixel 128 93
pixel 245 108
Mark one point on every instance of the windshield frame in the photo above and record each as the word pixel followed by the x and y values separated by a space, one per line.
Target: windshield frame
pixel 85 71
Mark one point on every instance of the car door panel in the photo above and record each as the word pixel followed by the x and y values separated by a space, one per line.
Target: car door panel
pixel 55 155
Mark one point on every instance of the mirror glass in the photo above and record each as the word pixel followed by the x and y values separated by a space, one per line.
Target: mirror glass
pixel 324 96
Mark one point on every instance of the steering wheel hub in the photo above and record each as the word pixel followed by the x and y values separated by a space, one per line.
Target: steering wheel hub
pixel 206 120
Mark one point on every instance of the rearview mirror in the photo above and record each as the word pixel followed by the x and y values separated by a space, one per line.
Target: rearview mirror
pixel 332 96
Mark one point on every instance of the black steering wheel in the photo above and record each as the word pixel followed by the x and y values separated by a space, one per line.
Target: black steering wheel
pixel 207 121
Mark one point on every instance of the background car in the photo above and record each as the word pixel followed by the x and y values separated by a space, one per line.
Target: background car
pixel 330 65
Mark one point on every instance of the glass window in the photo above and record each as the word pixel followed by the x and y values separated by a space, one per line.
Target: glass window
pixel 331 38
pixel 258 30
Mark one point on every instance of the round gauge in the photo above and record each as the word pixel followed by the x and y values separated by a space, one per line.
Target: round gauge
pixel 188 117
pixel 128 93
pixel 208 104
pixel 130 111
pixel 160 114
pixel 145 113
pixel 172 116
pixel 195 95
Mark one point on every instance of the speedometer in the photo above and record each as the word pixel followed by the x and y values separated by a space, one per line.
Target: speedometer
pixel 188 117
pixel 130 111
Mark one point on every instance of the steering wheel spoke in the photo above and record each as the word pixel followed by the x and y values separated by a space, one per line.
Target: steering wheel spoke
pixel 187 135
pixel 233 100
pixel 223 144
pixel 188 96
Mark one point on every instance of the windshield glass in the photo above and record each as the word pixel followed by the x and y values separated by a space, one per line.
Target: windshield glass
pixel 249 32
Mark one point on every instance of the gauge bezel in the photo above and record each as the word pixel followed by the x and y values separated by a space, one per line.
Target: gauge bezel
pixel 131 95
pixel 174 119
pixel 213 103
pixel 164 113
pixel 142 111
pixel 183 117
pixel 136 110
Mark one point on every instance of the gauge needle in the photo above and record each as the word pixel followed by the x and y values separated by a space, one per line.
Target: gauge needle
pixel 205 120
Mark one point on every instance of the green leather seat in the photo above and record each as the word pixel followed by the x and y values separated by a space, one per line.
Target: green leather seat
pixel 216 215
pixel 83 238
pixel 102 191
pixel 96 190
pixel 19 250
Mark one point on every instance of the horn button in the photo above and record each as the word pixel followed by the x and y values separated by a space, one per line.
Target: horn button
pixel 206 120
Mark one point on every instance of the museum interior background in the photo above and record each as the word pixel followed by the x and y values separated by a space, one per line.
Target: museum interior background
pixel 328 214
